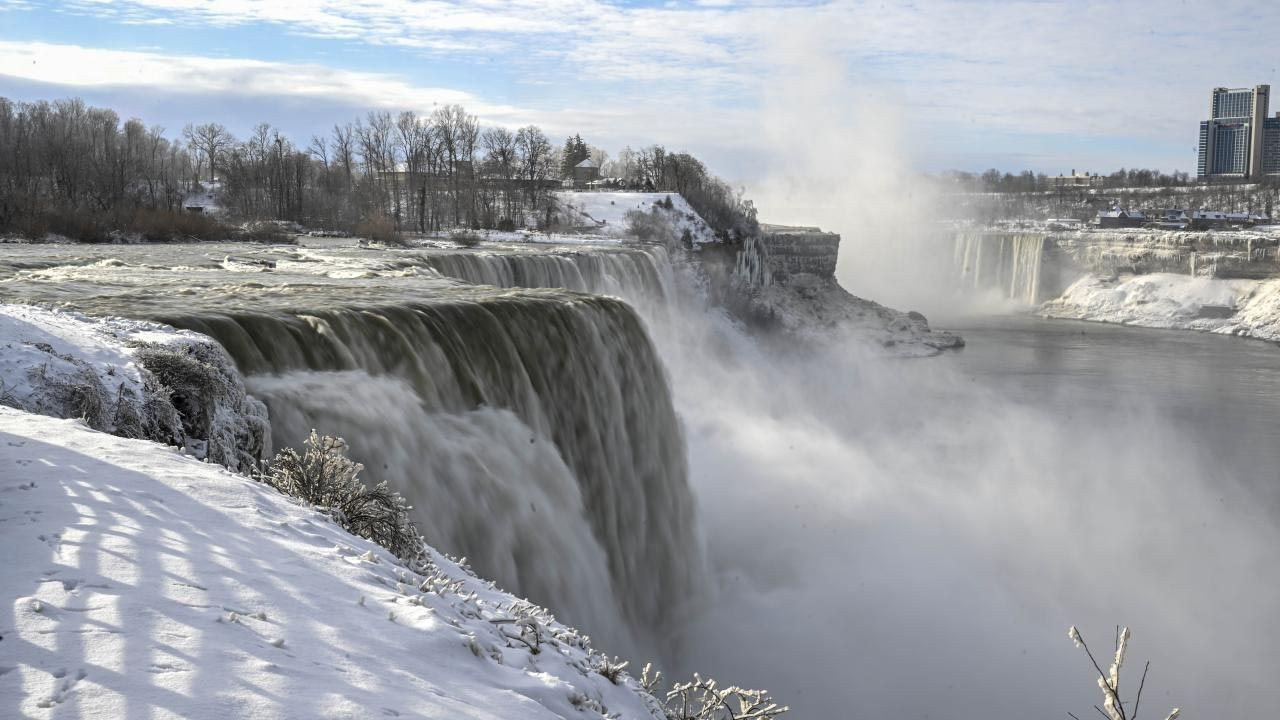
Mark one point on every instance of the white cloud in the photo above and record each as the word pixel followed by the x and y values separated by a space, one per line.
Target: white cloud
pixel 80 70
pixel 74 66
pixel 970 77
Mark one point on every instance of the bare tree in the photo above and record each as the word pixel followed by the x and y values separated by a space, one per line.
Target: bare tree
pixel 533 151
pixel 500 156
pixel 210 139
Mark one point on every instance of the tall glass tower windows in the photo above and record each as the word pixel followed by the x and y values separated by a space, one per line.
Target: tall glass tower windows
pixel 1231 149
pixel 1271 146
pixel 1232 104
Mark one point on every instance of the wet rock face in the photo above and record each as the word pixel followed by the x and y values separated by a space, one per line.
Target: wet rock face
pixel 790 252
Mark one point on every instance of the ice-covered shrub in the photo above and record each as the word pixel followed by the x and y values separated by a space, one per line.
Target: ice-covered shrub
pixel 1113 707
pixel 651 226
pixel 80 393
pixel 611 669
pixel 215 415
pixel 465 238
pixel 324 476
pixel 703 699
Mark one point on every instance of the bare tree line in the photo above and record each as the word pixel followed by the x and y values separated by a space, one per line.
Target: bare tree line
pixel 66 159
pixel 69 168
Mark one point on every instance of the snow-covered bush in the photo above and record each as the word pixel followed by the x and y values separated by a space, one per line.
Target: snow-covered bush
pixel 324 476
pixel 651 226
pixel 1113 707
pixel 466 238
pixel 216 415
pixel 703 699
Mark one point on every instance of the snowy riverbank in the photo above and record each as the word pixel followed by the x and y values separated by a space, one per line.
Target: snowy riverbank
pixel 143 582
pixel 1249 308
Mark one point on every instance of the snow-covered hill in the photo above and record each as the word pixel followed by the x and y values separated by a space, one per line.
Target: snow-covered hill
pixel 144 583
pixel 605 213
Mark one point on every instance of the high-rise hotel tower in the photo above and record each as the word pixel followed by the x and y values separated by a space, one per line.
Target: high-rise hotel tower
pixel 1238 139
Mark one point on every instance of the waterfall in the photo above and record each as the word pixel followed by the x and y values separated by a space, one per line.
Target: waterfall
pixel 534 432
pixel 642 272
pixel 1009 263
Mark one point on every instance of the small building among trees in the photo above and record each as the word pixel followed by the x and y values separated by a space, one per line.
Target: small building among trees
pixel 585 172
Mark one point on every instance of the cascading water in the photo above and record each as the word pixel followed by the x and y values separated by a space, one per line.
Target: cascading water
pixel 432 396
pixel 1007 262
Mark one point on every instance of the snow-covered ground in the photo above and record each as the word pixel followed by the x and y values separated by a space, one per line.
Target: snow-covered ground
pixel 599 218
pixel 131 378
pixel 606 212
pixel 144 583
pixel 1165 300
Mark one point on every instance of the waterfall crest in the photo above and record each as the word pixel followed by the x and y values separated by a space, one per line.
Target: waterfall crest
pixel 643 272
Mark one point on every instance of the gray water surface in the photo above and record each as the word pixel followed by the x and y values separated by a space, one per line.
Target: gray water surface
pixel 1221 394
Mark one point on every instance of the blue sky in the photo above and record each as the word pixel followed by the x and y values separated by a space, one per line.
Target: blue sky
pixel 1034 84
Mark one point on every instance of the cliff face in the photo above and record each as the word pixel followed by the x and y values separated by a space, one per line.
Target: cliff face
pixel 1240 254
pixel 791 251
pixel 784 280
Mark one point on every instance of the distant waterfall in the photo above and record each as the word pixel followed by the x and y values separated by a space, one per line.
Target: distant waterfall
pixel 533 431
pixel 1007 262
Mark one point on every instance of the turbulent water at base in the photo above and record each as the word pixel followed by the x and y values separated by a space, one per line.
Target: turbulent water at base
pixel 533 430
pixel 1008 262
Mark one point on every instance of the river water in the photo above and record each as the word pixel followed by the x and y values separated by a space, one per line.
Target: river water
pixel 1220 394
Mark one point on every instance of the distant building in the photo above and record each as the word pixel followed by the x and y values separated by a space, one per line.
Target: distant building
pixel 1234 138
pixel 1209 220
pixel 1081 181
pixel 585 172
pixel 1121 218
pixel 1271 145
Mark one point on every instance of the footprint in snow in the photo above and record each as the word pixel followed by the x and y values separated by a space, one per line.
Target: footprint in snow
pixel 66 683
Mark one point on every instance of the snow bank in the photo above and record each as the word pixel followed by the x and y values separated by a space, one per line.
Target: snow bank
pixel 605 213
pixel 131 378
pixel 1165 300
pixel 143 583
